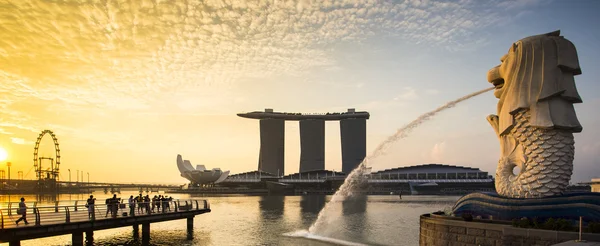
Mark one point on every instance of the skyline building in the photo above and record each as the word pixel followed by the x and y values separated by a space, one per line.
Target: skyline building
pixel 200 175
pixel 312 145
pixel 353 131
pixel 272 146
pixel 354 143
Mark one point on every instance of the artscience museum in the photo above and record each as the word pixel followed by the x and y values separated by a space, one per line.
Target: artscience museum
pixel 200 175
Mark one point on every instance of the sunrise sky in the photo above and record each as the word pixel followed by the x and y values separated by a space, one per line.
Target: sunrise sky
pixel 128 85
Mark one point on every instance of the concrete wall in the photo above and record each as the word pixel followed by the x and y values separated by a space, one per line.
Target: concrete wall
pixel 312 145
pixel 440 230
pixel 354 143
pixel 272 146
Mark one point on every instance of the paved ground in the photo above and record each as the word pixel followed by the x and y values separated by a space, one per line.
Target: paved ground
pixel 575 243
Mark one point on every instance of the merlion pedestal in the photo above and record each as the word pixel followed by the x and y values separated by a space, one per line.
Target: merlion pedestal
pixel 535 123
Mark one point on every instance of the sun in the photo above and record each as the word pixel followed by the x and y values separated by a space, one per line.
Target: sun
pixel 3 154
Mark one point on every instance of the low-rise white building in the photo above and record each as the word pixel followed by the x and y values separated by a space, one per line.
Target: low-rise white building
pixel 200 175
pixel 595 185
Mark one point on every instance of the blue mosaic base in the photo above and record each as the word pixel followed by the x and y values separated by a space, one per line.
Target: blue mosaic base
pixel 568 206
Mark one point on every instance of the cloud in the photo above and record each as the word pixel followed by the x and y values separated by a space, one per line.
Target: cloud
pixel 2 131
pixel 194 56
pixel 514 4
pixel 432 92
pixel 20 141
pixel 409 94
pixel 437 152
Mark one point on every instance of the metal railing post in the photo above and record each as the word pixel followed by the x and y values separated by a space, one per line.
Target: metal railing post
pixel 2 220
pixel 76 206
pixel 37 216
pixel 176 207
pixel 56 206
pixel 197 207
pixel 67 215
pixel 580 227
pixel 9 209
pixel 205 204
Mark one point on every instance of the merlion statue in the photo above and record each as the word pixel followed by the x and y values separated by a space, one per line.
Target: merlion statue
pixel 536 118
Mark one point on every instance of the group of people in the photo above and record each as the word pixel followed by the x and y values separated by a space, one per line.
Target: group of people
pixel 148 205
pixel 143 204
pixel 112 206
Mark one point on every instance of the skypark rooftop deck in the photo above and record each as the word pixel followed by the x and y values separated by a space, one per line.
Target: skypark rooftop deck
pixel 270 114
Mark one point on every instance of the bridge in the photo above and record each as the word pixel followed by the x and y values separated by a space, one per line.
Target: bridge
pixel 55 220
pixel 28 186
pixel 116 187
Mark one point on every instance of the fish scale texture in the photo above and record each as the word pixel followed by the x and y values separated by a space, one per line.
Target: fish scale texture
pixel 548 159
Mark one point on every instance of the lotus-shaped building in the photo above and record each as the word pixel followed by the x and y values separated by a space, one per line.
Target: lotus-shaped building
pixel 200 175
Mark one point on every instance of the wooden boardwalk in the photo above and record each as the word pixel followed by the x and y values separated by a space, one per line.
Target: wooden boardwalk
pixel 74 219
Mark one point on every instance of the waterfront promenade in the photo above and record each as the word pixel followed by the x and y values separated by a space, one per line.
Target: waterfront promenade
pixel 54 220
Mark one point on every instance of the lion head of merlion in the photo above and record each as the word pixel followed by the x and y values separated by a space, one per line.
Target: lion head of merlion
pixel 537 74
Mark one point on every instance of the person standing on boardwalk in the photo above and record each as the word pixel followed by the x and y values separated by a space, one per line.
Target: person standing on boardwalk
pixel 114 205
pixel 22 211
pixel 147 203
pixel 140 203
pixel 131 206
pixel 153 203
pixel 90 207
pixel 108 207
pixel 158 201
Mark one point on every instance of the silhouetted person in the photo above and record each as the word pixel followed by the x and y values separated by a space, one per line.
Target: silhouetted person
pixel 114 205
pixel 108 207
pixel 140 202
pixel 167 203
pixel 158 203
pixel 131 206
pixel 147 204
pixel 22 211
pixel 90 207
pixel 153 201
pixel 163 200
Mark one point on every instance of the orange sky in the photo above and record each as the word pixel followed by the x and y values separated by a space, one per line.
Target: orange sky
pixel 128 85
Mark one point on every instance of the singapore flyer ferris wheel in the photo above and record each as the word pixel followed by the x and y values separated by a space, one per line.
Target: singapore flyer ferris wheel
pixel 52 172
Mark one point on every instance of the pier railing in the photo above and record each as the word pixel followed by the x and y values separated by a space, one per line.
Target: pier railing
pixel 80 211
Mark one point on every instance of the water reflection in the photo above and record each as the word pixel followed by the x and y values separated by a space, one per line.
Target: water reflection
pixel 271 207
pixel 354 219
pixel 47 198
pixel 355 205
pixel 254 220
pixel 312 203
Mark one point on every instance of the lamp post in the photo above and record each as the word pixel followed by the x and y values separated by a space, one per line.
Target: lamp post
pixel 77 171
pixel 69 177
pixel 8 164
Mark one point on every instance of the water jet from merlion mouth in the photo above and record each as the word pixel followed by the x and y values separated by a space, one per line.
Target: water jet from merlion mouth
pixel 356 178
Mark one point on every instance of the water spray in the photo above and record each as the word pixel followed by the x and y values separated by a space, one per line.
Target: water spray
pixel 355 179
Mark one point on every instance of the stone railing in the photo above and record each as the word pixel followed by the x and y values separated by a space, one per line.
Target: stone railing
pixel 444 230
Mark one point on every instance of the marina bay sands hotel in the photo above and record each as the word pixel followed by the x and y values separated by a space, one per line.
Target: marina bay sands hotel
pixel 353 130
